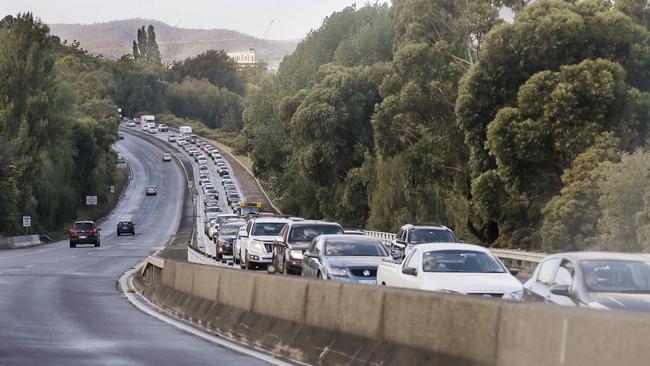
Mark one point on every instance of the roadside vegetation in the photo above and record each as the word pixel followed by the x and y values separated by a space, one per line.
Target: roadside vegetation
pixel 527 133
pixel 59 116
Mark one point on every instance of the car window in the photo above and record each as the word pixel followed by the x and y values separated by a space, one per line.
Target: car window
pixel 414 260
pixel 400 234
pixel 468 261
pixel 547 271
pixel 421 236
pixel 307 233
pixel 83 226
pixel 564 275
pixel 348 247
pixel 268 228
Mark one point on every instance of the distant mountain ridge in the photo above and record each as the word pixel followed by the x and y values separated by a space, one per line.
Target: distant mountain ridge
pixel 114 39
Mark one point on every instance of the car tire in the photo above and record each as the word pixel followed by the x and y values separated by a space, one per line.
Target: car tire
pixel 97 244
pixel 247 264
pixel 73 245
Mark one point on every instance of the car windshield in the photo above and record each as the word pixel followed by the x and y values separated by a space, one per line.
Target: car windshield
pixel 232 228
pixel 125 223
pixel 306 233
pixel 350 247
pixel 421 236
pixel 213 209
pixel 460 261
pixel 83 226
pixel 268 228
pixel 617 276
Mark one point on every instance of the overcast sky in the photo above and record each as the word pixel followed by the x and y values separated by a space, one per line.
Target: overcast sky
pixel 292 18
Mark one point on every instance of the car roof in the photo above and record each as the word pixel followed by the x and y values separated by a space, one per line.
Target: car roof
pixel 425 226
pixel 451 246
pixel 312 222
pixel 84 222
pixel 270 219
pixel 351 237
pixel 586 256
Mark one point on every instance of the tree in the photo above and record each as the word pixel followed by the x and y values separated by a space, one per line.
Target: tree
pixel 215 66
pixel 571 218
pixel 537 62
pixel 625 204
pixel 146 48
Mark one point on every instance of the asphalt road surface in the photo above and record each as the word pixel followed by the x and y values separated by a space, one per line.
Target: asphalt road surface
pixel 60 306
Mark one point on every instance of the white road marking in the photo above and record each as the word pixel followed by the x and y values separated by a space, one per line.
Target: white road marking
pixel 565 327
pixel 124 283
pixel 24 254
pixel 30 266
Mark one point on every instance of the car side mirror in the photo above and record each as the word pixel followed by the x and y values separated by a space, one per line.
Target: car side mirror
pixel 560 290
pixel 243 234
pixel 311 255
pixel 514 271
pixel 396 255
pixel 410 271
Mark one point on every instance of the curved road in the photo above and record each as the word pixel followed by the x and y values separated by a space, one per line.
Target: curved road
pixel 60 306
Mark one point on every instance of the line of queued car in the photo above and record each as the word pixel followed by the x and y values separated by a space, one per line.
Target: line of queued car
pixel 424 257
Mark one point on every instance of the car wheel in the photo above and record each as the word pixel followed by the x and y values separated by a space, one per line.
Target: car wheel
pixel 248 265
pixel 73 245
pixel 97 244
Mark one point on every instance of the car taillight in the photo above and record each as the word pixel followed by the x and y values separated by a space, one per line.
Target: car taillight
pixel 93 230
pixel 73 231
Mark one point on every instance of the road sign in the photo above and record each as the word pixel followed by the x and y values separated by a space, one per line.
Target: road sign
pixel 27 221
pixel 91 200
pixel 112 189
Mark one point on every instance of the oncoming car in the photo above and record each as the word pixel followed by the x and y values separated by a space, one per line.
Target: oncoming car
pixel 167 157
pixel 151 191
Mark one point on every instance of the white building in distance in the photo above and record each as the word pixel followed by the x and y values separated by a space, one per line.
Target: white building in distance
pixel 244 57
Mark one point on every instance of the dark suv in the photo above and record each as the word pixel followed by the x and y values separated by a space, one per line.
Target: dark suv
pixel 411 235
pixel 84 232
pixel 294 239
pixel 125 227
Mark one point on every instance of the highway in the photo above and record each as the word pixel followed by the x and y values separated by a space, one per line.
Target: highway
pixel 60 306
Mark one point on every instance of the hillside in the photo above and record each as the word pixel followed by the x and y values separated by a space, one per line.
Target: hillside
pixel 113 39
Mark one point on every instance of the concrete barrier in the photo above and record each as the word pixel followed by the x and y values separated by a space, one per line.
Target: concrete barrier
pixel 15 242
pixel 329 323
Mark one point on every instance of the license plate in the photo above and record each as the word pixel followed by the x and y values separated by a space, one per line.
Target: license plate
pixel 368 282
pixel 82 237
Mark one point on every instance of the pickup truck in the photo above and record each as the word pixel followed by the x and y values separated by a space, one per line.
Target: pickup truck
pixel 451 268
pixel 254 245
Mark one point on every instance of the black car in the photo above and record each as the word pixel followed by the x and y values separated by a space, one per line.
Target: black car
pixel 84 232
pixel 227 236
pixel 125 227
pixel 596 280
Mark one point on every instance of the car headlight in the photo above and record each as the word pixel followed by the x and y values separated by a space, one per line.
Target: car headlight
pixel 295 254
pixel 338 271
pixel 258 247
pixel 514 296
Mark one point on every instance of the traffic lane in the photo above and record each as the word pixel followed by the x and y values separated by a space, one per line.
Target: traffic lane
pixel 145 211
pixel 64 307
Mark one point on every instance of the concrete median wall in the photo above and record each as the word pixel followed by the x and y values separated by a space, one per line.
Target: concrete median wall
pixel 332 323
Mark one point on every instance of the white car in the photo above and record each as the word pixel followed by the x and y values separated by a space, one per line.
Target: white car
pixel 167 157
pixel 151 191
pixel 452 268
pixel 163 127
pixel 254 244
pixel 130 124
